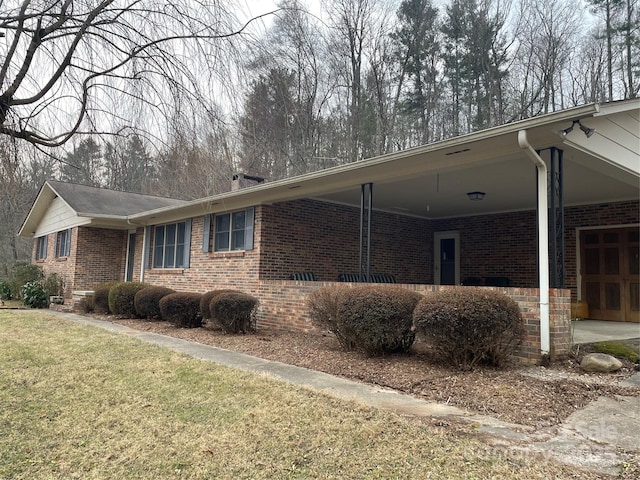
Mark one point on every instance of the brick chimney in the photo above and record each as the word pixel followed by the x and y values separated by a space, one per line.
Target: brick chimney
pixel 242 180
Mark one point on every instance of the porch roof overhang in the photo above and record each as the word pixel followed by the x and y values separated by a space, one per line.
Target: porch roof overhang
pixel 432 181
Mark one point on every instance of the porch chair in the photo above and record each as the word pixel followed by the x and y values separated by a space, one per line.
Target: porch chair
pixel 303 276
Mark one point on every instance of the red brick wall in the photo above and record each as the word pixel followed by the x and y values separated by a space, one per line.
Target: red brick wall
pixel 96 255
pixel 505 245
pixel 308 235
pixel 501 245
pixel 210 270
pixel 101 256
pixel 313 236
pixel 64 266
pixel 283 306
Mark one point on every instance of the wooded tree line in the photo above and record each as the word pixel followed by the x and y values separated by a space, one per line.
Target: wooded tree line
pixel 367 77
pixel 378 76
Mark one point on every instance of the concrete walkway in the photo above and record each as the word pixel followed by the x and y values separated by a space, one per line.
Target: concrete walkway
pixel 590 331
pixel 602 437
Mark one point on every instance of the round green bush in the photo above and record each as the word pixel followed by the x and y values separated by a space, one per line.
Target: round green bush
pixel 378 319
pixel 323 310
pixel 121 297
pixel 468 326
pixel 147 301
pixel 181 309
pixel 34 296
pixel 101 297
pixel 235 312
pixel 206 300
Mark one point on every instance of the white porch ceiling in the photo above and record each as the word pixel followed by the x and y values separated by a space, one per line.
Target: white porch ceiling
pixel 509 184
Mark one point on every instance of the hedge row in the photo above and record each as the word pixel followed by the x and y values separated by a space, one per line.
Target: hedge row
pixel 465 326
pixel 232 310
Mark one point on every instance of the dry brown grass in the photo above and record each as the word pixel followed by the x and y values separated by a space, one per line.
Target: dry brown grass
pixel 79 402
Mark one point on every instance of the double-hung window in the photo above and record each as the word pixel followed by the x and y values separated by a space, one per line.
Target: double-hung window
pixel 229 231
pixel 41 247
pixel 63 243
pixel 171 245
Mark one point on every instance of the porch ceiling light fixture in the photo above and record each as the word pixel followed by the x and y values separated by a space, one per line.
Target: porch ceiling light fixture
pixel 586 130
pixel 475 196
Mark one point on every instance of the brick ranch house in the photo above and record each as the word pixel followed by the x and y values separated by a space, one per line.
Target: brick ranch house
pixel 544 209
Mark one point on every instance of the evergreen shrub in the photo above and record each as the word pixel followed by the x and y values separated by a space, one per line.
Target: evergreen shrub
pixel 469 326
pixel 5 290
pixel 181 309
pixel 34 296
pixel 147 301
pixel 323 310
pixel 121 298
pixel 378 319
pixel 206 300
pixel 101 297
pixel 235 312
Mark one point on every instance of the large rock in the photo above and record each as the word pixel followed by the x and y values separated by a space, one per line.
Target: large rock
pixel 600 362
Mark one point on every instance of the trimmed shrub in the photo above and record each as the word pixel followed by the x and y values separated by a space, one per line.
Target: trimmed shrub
pixel 206 300
pixel 121 297
pixel 378 319
pixel 147 301
pixel 323 310
pixel 470 326
pixel 101 297
pixel 181 309
pixel 235 312
pixel 34 296
pixel 5 290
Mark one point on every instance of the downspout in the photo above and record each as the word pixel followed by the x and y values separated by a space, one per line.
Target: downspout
pixel 543 240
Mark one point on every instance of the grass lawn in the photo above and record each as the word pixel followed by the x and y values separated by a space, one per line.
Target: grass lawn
pixel 79 402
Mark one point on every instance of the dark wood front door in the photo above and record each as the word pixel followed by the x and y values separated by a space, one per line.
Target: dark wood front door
pixel 610 267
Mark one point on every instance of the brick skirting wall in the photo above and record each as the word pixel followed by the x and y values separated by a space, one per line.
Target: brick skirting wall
pixel 283 306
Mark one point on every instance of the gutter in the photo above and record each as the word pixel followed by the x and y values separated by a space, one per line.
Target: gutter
pixel 543 240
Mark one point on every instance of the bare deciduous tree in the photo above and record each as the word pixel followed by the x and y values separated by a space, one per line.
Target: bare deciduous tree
pixel 548 32
pixel 22 171
pixel 351 21
pixel 67 64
